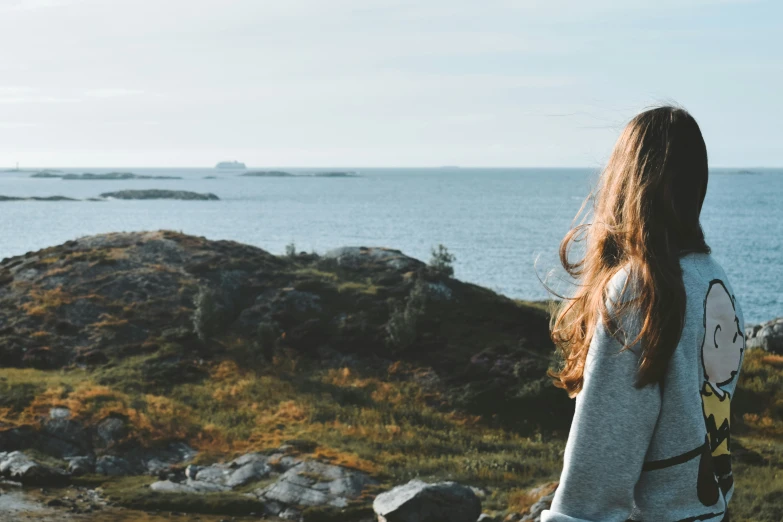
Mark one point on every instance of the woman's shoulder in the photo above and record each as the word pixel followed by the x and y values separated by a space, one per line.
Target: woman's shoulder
pixel 702 268
pixel 623 285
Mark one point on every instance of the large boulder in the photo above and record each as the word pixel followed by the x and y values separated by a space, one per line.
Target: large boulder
pixel 767 336
pixel 81 465
pixel 19 467
pixel 247 468
pixel 418 501
pixel 110 431
pixel 113 466
pixel 62 436
pixel 354 257
pixel 313 483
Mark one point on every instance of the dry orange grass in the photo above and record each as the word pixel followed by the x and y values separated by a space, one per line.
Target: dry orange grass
pixel 152 418
pixel 108 321
pixel 773 360
pixel 520 500
pixel 43 301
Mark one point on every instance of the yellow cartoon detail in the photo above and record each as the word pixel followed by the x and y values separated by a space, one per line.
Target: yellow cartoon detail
pixel 717 412
pixel 721 352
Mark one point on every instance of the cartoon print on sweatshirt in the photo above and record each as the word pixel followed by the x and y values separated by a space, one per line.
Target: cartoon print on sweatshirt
pixel 721 353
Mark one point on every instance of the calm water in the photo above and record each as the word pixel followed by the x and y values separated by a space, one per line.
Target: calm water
pixel 504 225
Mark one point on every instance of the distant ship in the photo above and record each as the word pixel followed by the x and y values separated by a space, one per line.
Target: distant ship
pixel 230 165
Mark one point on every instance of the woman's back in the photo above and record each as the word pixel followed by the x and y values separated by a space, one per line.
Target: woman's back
pixel 660 452
pixel 691 444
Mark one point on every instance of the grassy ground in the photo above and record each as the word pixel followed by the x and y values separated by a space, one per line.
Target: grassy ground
pixel 387 422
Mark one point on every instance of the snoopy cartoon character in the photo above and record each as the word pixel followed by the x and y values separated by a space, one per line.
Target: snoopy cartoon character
pixel 721 352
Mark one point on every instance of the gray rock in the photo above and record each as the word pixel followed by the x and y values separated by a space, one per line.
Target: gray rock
pixel 418 501
pixel 60 426
pixel 20 468
pixel 81 465
pixel 283 462
pixel 109 431
pixel 156 466
pixel 243 470
pixel 313 483
pixel 189 486
pixel 59 413
pixel 250 472
pixel 353 257
pixel 200 486
pixel 215 474
pixel 767 336
pixel 167 486
pixel 247 459
pixel 113 466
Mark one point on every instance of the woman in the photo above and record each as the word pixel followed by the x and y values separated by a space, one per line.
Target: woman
pixel 652 341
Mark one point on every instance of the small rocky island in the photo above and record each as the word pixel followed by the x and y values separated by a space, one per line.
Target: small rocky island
pixel 47 173
pixel 126 194
pixel 283 174
pixel 268 174
pixel 160 194
pixel 88 176
pixel 36 198
pixel 230 165
pixel 335 174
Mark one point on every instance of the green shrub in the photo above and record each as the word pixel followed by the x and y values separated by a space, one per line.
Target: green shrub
pixel 442 261
pixel 290 249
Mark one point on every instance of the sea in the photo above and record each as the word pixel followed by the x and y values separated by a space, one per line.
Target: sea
pixel 503 225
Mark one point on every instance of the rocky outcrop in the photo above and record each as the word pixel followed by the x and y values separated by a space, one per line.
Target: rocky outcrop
pixel 160 194
pixel 329 307
pixel 313 483
pixel 300 484
pixel 81 465
pixel 767 336
pixel 244 470
pixel 363 257
pixel 19 467
pixel 418 501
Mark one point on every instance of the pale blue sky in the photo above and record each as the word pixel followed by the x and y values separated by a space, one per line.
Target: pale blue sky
pixel 380 82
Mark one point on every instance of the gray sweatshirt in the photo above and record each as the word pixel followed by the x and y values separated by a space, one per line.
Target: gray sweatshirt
pixel 662 452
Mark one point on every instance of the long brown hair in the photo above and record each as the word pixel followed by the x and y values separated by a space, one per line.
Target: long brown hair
pixel 645 215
